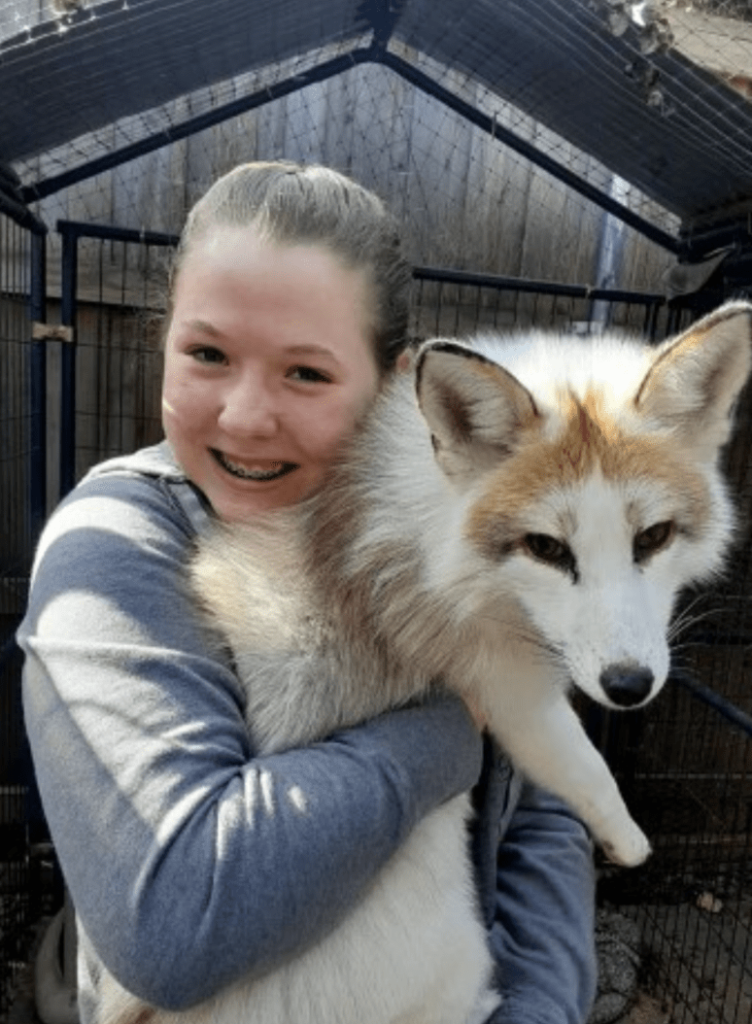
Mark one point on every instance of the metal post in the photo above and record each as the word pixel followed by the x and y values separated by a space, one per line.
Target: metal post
pixel 68 364
pixel 38 388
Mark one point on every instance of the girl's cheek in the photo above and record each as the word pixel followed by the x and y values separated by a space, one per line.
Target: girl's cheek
pixel 183 407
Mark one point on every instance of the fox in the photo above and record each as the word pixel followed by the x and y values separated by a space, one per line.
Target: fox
pixel 516 517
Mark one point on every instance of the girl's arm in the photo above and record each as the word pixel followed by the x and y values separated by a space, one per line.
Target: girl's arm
pixel 543 931
pixel 191 861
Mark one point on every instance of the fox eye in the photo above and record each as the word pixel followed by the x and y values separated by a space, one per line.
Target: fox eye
pixel 648 542
pixel 551 551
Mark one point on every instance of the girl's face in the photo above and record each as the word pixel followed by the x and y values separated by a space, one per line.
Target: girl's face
pixel 268 368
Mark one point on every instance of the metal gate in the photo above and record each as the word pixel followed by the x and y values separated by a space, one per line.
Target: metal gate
pixel 22 509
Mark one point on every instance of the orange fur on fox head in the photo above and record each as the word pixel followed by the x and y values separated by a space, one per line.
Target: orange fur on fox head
pixel 588 443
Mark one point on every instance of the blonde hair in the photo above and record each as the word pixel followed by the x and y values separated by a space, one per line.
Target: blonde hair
pixel 292 204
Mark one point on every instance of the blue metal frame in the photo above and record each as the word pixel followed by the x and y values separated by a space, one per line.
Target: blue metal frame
pixel 734 715
pixel 38 387
pixel 69 283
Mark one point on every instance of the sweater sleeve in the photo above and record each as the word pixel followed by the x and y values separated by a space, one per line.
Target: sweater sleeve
pixel 190 860
pixel 543 933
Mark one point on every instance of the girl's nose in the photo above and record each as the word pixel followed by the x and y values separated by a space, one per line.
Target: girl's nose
pixel 248 409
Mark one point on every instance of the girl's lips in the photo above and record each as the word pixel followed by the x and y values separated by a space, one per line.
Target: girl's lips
pixel 274 472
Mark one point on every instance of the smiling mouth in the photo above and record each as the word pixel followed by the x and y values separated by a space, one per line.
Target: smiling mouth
pixel 275 471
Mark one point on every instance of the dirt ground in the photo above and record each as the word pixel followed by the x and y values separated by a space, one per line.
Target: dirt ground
pixel 647 1010
pixel 691 963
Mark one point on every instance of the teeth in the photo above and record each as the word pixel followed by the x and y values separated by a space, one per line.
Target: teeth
pixel 278 469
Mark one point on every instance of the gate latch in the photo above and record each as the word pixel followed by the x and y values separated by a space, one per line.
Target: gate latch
pixel 51 332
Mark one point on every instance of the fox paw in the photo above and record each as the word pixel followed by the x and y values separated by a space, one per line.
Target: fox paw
pixel 629 850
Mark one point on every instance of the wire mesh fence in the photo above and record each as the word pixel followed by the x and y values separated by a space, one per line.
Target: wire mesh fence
pixel 644 53
pixel 16 440
pixel 465 197
pixel 15 409
pixel 684 765
pixel 16 890
pixel 111 404
pixel 452 303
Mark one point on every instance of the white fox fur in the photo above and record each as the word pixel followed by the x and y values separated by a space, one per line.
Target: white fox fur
pixel 518 513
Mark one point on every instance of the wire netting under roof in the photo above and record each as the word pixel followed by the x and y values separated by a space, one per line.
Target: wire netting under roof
pixel 609 78
pixel 101 60
pixel 163 120
pixel 653 90
pixel 468 201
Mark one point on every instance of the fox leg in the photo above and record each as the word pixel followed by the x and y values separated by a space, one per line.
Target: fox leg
pixel 536 726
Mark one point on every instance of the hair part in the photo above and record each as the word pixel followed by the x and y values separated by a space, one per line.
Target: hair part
pixel 293 204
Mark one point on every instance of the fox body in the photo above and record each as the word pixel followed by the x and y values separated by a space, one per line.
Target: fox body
pixel 517 514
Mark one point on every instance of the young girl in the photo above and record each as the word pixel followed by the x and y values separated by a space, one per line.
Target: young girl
pixel 188 862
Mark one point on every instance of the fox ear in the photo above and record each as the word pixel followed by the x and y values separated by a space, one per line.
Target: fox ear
pixel 696 378
pixel 474 408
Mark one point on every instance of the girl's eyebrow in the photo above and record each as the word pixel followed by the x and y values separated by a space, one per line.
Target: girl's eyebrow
pixel 202 327
pixel 306 349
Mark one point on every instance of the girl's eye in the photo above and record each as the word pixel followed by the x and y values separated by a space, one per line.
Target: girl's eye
pixel 309 375
pixel 207 354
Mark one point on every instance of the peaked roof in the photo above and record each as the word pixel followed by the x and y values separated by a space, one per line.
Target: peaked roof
pixel 619 91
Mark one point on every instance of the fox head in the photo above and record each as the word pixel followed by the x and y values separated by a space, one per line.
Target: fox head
pixel 588 472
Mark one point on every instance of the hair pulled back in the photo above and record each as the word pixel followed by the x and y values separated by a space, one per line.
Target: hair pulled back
pixel 292 204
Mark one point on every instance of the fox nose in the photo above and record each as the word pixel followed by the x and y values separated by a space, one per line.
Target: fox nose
pixel 627 685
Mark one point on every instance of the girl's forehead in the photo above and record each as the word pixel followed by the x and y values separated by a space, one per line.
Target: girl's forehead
pixel 235 284
pixel 251 259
